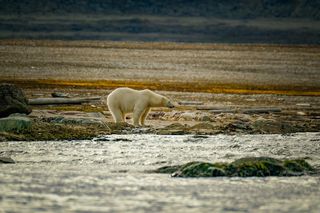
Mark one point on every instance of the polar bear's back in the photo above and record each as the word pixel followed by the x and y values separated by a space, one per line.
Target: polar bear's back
pixel 123 98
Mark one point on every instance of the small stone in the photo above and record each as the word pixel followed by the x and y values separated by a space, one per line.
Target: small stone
pixel 301 113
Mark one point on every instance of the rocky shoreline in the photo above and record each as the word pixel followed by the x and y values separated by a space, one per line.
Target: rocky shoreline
pixel 227 115
pixel 73 125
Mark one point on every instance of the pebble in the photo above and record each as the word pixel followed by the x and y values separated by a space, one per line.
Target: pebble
pixel 301 113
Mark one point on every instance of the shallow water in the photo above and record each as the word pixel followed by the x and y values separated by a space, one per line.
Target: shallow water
pixel 108 176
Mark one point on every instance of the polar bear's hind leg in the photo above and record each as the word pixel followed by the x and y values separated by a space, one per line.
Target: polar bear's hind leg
pixel 117 115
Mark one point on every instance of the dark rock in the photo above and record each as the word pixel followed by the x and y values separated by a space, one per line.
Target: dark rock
pixel 200 136
pixel 244 167
pixel 6 160
pixel 237 126
pixel 12 101
pixel 167 169
pixel 121 139
pixel 199 169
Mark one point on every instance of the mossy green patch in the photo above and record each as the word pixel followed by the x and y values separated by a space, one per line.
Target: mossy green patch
pixel 199 169
pixel 244 167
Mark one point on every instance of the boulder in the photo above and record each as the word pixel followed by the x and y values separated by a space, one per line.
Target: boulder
pixel 16 122
pixel 12 101
pixel 244 167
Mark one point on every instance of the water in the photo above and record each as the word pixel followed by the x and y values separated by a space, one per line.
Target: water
pixel 109 176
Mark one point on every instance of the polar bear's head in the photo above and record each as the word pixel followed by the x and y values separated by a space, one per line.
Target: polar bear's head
pixel 167 103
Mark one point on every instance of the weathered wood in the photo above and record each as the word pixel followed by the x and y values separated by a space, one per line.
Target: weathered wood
pixel 217 111
pixel 246 111
pixel 190 103
pixel 47 101
pixel 260 110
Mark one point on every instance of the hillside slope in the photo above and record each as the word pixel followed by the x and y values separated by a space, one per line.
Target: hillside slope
pixel 213 8
pixel 224 21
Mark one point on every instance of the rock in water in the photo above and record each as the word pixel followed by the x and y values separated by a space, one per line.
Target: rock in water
pixel 244 167
pixel 15 122
pixel 6 160
pixel 12 100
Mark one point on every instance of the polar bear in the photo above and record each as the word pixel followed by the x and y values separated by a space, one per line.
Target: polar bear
pixel 125 100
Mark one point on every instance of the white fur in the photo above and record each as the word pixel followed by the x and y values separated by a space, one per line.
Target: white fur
pixel 125 100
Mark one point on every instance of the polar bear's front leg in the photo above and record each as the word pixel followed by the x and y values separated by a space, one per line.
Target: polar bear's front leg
pixel 137 113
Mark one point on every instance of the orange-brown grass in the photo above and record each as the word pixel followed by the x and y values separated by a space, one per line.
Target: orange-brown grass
pixel 199 86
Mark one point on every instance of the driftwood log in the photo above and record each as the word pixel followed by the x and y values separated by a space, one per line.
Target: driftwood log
pixel 260 110
pixel 217 111
pixel 208 107
pixel 190 103
pixel 247 111
pixel 47 101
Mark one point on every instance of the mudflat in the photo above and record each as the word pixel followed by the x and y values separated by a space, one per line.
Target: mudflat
pixel 279 69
